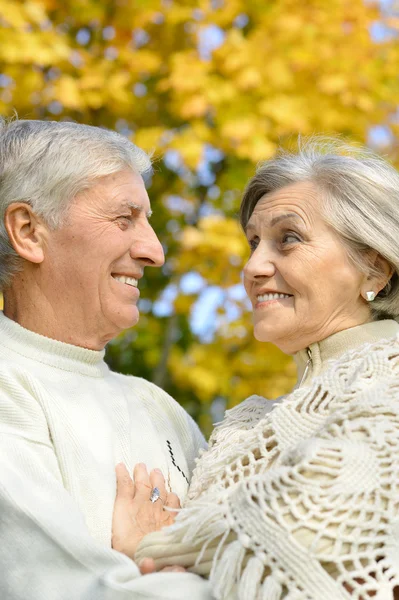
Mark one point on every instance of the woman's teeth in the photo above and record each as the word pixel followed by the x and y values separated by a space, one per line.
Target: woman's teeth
pixel 127 280
pixel 266 297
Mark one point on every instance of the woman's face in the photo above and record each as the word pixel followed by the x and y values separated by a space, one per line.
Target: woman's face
pixel 296 255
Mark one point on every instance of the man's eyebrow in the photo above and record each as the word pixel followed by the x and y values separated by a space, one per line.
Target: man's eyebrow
pixel 136 207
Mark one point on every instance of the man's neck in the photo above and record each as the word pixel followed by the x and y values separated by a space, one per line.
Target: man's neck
pixel 36 313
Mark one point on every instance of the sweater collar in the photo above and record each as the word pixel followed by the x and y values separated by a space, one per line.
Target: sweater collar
pixel 311 361
pixel 50 352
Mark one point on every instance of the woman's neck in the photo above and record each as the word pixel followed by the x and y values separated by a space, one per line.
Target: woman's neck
pixel 312 360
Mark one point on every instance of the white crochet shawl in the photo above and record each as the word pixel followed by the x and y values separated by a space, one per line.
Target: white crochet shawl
pixel 299 498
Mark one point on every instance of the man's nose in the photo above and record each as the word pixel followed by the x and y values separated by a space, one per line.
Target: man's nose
pixel 260 264
pixel 148 249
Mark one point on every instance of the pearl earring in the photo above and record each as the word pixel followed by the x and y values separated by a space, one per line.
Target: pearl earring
pixel 370 296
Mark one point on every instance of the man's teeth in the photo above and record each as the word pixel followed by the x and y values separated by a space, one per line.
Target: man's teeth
pixel 266 297
pixel 127 280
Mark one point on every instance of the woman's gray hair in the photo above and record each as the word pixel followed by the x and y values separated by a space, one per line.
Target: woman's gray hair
pixel 359 192
pixel 47 163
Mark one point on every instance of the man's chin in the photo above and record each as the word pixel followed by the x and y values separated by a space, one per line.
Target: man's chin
pixel 128 319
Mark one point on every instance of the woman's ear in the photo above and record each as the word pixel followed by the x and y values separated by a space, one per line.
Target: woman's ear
pixel 26 231
pixel 381 272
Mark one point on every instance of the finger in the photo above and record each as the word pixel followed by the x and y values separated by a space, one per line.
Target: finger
pixel 158 480
pixel 142 482
pixel 172 500
pixel 124 483
pixel 174 569
pixel 147 566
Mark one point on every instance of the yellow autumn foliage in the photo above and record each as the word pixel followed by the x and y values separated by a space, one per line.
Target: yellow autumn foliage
pixel 210 247
pixel 211 88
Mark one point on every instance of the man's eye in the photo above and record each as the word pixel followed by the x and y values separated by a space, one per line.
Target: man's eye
pixel 124 221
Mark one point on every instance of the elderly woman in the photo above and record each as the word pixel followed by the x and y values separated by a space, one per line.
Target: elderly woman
pixel 299 498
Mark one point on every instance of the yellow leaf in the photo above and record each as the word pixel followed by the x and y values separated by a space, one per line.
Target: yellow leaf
pixel 68 93
pixel 249 78
pixel 196 106
pixel 12 14
pixel 35 12
pixel 332 84
pixel 190 147
pixel 149 138
pixel 240 129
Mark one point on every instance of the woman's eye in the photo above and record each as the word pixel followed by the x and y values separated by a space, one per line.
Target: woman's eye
pixel 290 238
pixel 253 244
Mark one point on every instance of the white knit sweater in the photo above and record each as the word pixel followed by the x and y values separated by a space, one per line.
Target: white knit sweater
pixel 66 420
pixel 299 498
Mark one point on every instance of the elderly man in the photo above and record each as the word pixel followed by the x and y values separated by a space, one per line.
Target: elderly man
pixel 74 241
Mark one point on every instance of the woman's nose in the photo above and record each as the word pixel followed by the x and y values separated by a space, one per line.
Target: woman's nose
pixel 259 265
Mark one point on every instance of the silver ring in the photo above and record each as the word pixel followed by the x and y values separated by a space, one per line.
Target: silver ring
pixel 155 494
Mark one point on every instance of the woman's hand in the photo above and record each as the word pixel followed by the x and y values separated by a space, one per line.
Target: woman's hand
pixel 134 513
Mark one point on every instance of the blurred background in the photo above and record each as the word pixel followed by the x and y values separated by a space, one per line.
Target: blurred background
pixel 211 87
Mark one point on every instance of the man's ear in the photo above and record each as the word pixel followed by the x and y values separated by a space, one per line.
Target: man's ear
pixel 26 231
pixel 381 273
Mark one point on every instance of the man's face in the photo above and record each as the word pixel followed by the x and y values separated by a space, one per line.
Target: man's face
pixel 96 258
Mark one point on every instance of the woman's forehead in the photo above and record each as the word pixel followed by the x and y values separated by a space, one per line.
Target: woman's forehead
pixel 297 201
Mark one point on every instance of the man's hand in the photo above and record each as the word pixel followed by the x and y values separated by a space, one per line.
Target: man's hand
pixel 134 513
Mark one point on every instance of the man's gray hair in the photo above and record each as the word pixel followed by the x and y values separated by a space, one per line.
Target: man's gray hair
pixel 47 163
pixel 359 192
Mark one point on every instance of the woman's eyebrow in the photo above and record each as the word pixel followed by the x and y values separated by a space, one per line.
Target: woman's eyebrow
pixel 249 227
pixel 275 220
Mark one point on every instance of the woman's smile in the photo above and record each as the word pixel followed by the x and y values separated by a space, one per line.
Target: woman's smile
pixel 299 267
pixel 269 299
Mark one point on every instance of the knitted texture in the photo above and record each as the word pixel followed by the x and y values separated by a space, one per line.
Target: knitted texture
pixel 300 498
pixel 65 421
